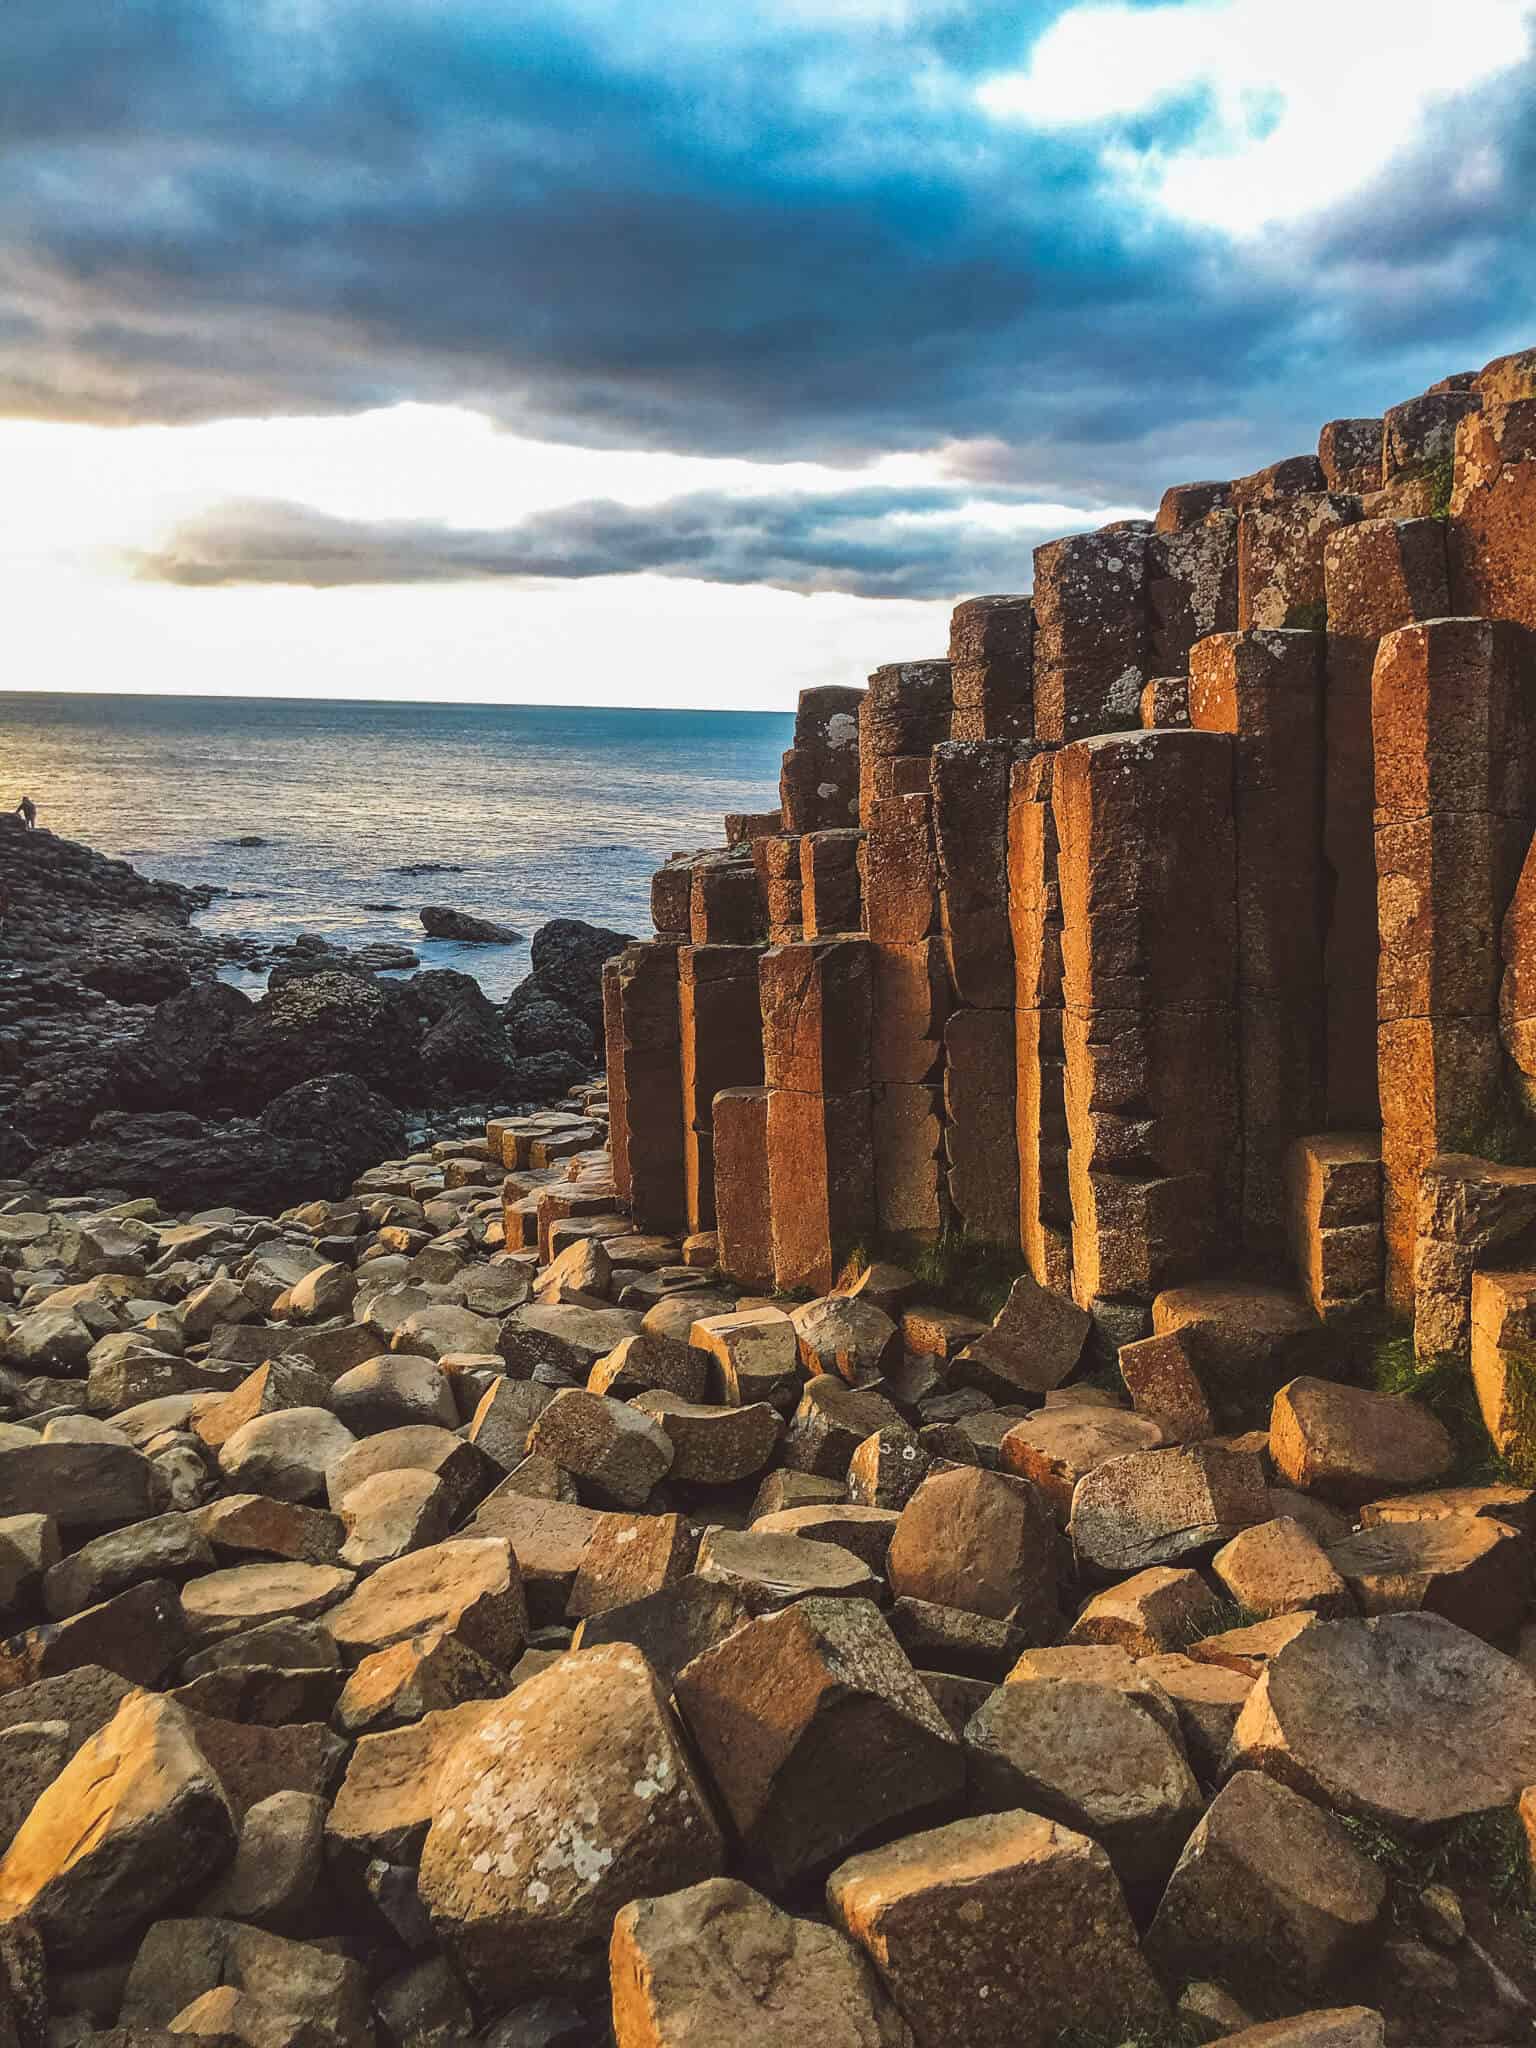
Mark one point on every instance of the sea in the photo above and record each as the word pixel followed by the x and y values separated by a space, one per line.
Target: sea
pixel 322 816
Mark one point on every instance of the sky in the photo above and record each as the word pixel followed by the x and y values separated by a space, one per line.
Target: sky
pixel 608 352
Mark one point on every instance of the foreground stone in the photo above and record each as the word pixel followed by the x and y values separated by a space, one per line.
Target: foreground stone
pixel 720 1963
pixel 135 1817
pixel 568 1800
pixel 1406 1720
pixel 844 1736
pixel 1268 1889
pixel 1013 1921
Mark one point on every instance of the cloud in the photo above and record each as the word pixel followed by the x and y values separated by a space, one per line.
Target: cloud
pixel 782 229
pixel 866 543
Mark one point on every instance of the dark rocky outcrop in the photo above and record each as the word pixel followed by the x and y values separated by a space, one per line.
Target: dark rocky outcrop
pixel 442 921
pixel 311 1140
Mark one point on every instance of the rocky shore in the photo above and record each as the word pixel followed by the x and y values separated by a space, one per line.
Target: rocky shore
pixel 125 1062
pixel 443 1612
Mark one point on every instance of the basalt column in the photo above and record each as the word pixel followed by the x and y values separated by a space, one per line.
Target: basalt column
pixel 1034 913
pixel 645 1092
pixel 721 1046
pixel 910 999
pixel 743 1199
pixel 817 1015
pixel 1149 944
pixel 1451 716
pixel 970 819
pixel 1266 689
pixel 906 713
pixel 1092 651
pixel 1380 574
pixel 819 782
pixel 992 668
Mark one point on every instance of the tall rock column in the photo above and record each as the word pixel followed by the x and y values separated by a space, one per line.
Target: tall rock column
pixel 720 1030
pixel 910 998
pixel 1265 688
pixel 1191 574
pixel 1149 944
pixel 1451 717
pixel 817 1020
pixel 970 819
pixel 1034 915
pixel 645 1088
pixel 1379 575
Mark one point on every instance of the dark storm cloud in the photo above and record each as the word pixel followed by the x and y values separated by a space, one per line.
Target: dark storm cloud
pixel 868 543
pixel 771 231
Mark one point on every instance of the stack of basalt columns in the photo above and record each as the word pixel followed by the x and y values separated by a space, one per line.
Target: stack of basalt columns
pixel 906 714
pixel 1147 867
pixel 1452 724
pixel 1132 934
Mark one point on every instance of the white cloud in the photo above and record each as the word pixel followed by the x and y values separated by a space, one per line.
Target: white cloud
pixel 1303 103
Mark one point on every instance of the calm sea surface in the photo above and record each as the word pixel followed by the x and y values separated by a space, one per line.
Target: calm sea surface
pixel 545 811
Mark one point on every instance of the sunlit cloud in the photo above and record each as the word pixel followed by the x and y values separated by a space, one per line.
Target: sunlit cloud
pixel 1284 111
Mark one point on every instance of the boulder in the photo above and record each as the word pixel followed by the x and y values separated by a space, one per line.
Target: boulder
pixel 713 1446
pixel 845 1739
pixel 617 1452
pixel 767 1571
pixel 80 1485
pixel 572 1798
pixel 1469 1568
pixel 1012 1921
pixel 165 1547
pixel 846 1334
pixel 754 1356
pixel 133 1819
pixel 1057 1445
pixel 830 1423
pixel 1269 1890
pixel 1405 1720
pixel 289 1454
pixel 1159 1609
pixel 1164 1507
pixel 470 1589
pixel 720 1963
pixel 978 1540
pixel 1349 1444
pixel 1278 1568
pixel 1035 1341
pixel 391 1392
pixel 1095 1757
pixel 226 1603
pixel 391 1514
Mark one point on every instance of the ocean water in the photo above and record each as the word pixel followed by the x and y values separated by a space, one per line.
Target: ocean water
pixel 540 811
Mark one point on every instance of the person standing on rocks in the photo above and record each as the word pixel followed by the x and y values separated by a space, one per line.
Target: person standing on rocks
pixel 27 810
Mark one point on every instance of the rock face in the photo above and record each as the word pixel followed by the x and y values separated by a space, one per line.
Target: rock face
pixel 571 1799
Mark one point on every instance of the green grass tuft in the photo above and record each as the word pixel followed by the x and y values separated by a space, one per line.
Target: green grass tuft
pixel 962 1272
pixel 1487 1850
